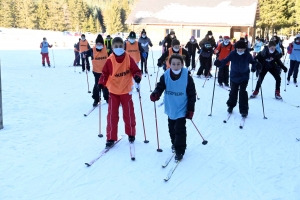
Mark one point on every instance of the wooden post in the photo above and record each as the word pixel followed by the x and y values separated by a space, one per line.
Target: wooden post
pixel 1 113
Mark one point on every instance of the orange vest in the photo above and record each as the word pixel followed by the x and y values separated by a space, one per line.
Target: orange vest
pixel 133 51
pixel 171 53
pixel 99 59
pixel 83 46
pixel 120 82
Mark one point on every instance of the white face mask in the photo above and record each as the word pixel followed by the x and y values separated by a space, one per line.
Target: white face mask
pixel 240 53
pixel 175 49
pixel 176 72
pixel 143 36
pixel 131 41
pixel 83 39
pixel 99 47
pixel 210 36
pixel 118 51
pixel 192 40
pixel 225 42
pixel 271 51
pixel 172 36
pixel 296 41
pixel 45 40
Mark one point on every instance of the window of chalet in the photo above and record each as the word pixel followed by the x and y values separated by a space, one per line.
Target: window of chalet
pixel 196 33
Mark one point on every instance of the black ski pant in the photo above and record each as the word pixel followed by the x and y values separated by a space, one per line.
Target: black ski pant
pixel 205 64
pixel 235 90
pixel 262 75
pixel 177 132
pixel 85 61
pixel 192 56
pixel 96 91
pixel 294 68
pixel 223 75
pixel 144 63
pixel 77 59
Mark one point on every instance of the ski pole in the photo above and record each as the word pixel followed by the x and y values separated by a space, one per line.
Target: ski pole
pixel 53 59
pixel 148 75
pixel 285 82
pixel 100 134
pixel 158 149
pixel 204 142
pixel 87 80
pixel 262 99
pixel 204 81
pixel 197 96
pixel 252 81
pixel 156 77
pixel 153 60
pixel 145 141
pixel 212 99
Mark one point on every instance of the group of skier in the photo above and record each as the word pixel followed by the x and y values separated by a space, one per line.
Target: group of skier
pixel 115 68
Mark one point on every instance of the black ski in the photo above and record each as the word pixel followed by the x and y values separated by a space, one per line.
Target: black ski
pixel 228 117
pixel 132 150
pixel 242 122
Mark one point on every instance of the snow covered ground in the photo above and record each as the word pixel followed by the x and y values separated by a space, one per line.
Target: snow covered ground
pixel 46 140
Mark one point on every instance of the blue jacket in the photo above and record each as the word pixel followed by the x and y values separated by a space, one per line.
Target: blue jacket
pixel 239 66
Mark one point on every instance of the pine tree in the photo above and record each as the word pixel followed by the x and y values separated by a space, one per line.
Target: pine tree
pixel 55 15
pixel 6 15
pixel 112 18
pixel 91 25
pixel 42 15
pixel 25 16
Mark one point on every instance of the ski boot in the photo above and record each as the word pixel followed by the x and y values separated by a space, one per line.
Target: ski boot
pixel 277 95
pixel 230 109
pixel 254 94
pixel 131 139
pixel 109 144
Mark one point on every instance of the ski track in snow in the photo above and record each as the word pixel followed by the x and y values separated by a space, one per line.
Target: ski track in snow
pixel 46 140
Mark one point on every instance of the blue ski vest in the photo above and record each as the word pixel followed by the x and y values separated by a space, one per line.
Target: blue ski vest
pixel 295 55
pixel 45 46
pixel 175 98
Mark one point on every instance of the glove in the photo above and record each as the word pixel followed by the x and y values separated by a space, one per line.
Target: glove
pixel 189 115
pixel 144 55
pixel 99 86
pixel 285 69
pixel 218 63
pixel 137 78
pixel 159 64
pixel 154 96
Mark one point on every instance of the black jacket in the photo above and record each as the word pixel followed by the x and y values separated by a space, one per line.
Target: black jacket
pixel 192 46
pixel 190 89
pixel 168 40
pixel 268 60
pixel 165 55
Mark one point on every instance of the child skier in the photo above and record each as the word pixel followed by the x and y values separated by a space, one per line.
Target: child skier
pixel 107 43
pixel 269 58
pixel 257 46
pixel 99 56
pixel 239 76
pixel 117 75
pixel 83 45
pixel 223 50
pixel 179 99
pixel 192 45
pixel 294 51
pixel 44 51
pixel 207 45
pixel 174 49
pixel 145 43
pixel 76 52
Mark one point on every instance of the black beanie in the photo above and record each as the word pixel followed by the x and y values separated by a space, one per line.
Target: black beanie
pixel 240 45
pixel 132 35
pixel 82 35
pixel 117 39
pixel 175 42
pixel 272 44
pixel 99 39
pixel 143 31
pixel 209 33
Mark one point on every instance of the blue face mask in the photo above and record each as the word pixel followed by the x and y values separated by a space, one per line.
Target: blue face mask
pixel 240 53
pixel 118 51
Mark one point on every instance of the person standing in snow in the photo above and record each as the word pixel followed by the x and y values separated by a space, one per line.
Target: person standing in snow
pixel 83 45
pixel 207 45
pixel 167 41
pixel 99 55
pixel 44 51
pixel 179 99
pixel 223 50
pixel 108 43
pixel 279 46
pixel 175 49
pixel 269 58
pixel 145 43
pixel 257 46
pixel 77 55
pixel 192 45
pixel 294 51
pixel 117 74
pixel 220 40
pixel 239 76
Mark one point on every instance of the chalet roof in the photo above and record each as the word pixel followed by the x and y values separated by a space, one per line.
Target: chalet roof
pixel 200 12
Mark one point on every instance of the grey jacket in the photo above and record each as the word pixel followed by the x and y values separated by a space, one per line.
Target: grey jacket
pixel 145 43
